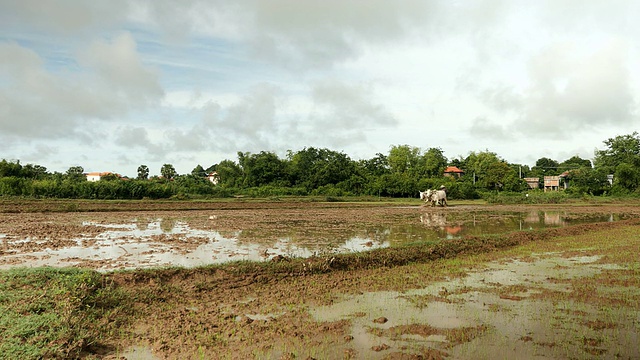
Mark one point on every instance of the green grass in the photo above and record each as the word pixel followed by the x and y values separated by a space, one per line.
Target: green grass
pixel 54 313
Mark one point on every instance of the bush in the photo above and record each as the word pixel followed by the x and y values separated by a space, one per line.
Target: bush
pixel 531 197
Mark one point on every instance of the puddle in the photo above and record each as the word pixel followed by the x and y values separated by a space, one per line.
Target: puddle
pixel 161 242
pixel 516 323
pixel 138 353
pixel 128 246
pixel 455 225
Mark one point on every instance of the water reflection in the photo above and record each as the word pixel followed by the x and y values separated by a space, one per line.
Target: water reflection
pixel 455 225
pixel 174 242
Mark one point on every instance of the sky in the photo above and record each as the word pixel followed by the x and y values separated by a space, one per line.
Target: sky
pixel 110 85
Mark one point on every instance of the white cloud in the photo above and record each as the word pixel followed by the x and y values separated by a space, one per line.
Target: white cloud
pixel 572 91
pixel 65 17
pixel 41 104
pixel 118 68
pixel 178 81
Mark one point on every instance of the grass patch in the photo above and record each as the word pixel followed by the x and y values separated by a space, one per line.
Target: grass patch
pixel 54 313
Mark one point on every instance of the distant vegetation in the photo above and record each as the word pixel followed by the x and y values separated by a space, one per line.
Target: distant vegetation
pixel 401 173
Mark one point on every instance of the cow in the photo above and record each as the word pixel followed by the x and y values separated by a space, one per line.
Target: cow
pixel 425 195
pixel 434 197
pixel 439 197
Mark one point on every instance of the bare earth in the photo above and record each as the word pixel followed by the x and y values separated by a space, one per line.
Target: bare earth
pixel 572 294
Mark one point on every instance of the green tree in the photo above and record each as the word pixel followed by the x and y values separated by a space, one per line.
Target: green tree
pixel 433 163
pixel 168 171
pixel 198 172
pixel 230 173
pixel 497 175
pixel 489 171
pixel 546 167
pixel 627 177
pixel 586 180
pixel 10 168
pixel 376 166
pixel 403 159
pixel 575 162
pixel 32 171
pixel 143 172
pixel 621 149
pixel 76 173
pixel 313 168
pixel 260 169
pixel 110 177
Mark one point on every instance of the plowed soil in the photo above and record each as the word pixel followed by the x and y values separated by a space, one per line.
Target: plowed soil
pixel 265 311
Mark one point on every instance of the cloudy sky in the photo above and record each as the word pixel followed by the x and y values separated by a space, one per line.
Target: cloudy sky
pixel 112 84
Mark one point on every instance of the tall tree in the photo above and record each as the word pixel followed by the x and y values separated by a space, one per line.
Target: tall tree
pixel 546 167
pixel 168 171
pixel 34 171
pixel 433 163
pixel 261 169
pixel 376 166
pixel 76 173
pixel 198 172
pixel 489 171
pixel 143 172
pixel 586 180
pixel 10 168
pixel 403 159
pixel 230 173
pixel 621 149
pixel 627 176
pixel 313 167
pixel 573 163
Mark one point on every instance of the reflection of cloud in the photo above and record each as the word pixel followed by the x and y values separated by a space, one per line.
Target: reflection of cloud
pixel 362 244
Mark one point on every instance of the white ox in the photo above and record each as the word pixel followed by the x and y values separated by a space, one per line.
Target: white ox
pixel 435 197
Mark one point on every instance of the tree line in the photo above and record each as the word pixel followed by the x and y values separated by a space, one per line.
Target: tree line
pixel 402 172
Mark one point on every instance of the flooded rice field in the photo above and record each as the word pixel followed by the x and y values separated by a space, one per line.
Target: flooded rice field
pixel 130 240
pixel 506 311
pixel 574 294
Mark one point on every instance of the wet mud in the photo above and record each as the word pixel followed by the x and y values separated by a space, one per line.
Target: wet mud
pixel 573 292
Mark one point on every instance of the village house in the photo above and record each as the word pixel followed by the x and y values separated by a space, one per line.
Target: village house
pixel 533 182
pixel 213 177
pixel 551 183
pixel 453 171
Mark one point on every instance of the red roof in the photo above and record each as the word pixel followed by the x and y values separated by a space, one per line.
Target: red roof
pixel 453 169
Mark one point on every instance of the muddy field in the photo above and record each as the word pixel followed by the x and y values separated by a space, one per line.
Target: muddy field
pixel 569 289
pixel 109 236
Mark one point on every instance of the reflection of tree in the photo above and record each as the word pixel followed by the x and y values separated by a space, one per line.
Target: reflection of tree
pixel 142 225
pixel 167 225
